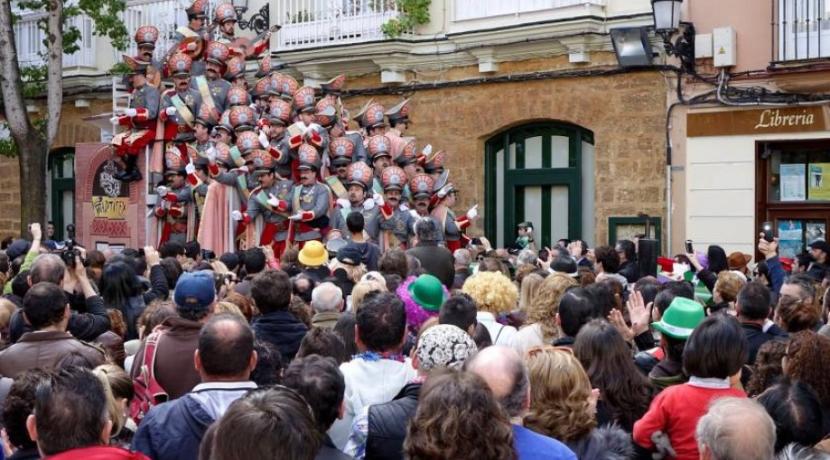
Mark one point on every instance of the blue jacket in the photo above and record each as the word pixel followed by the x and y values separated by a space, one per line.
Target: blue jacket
pixel 531 445
pixel 174 430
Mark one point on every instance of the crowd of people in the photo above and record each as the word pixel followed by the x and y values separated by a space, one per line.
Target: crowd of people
pixel 564 353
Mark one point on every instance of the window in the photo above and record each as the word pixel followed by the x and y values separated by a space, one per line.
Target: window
pixel 541 173
pixel 802 29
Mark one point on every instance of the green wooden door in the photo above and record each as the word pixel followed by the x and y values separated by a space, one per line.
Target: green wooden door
pixel 534 173
pixel 62 188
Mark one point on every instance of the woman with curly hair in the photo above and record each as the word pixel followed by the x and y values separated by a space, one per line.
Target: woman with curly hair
pixel 459 418
pixel 807 360
pixel 494 295
pixel 563 406
pixel 625 392
pixel 767 369
pixel 541 326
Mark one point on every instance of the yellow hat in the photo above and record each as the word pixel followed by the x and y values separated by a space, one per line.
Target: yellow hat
pixel 313 254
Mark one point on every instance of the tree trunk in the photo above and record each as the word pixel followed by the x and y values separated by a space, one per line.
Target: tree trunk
pixel 54 82
pixel 31 146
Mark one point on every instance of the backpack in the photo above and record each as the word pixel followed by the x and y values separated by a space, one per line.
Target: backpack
pixel 148 392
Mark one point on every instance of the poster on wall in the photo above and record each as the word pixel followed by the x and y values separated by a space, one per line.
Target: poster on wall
pixel 792 182
pixel 790 238
pixel 819 181
pixel 816 231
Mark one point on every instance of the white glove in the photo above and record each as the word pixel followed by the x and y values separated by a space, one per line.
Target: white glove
pixel 190 168
pixel 236 216
pixel 263 140
pixel 243 169
pixel 344 203
pixel 273 201
pixel 114 120
pixel 368 204
pixel 211 154
pixel 378 199
pixel 414 214
pixel 253 106
pixel 472 213
pixel 191 46
pixel 170 111
pixel 161 190
pixel 130 112
pixel 403 207
pixel 296 217
pixel 427 149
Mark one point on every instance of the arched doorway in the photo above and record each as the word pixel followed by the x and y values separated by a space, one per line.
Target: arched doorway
pixel 542 173
pixel 61 185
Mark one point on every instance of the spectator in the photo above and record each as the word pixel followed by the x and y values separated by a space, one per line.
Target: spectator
pixel 302 286
pixel 345 330
pixel 379 371
pixel 83 326
pixel 327 303
pixel 562 406
pixel 675 327
pixel 17 407
pixel 271 291
pixel 820 250
pixel 713 357
pixel 394 262
pixel 625 393
pixel 768 368
pixel 607 261
pixel 379 432
pixel 753 308
pixel 70 419
pixel 735 429
pixel 462 259
pixel 627 253
pixel 224 359
pixel 458 417
pixel 529 288
pixel 313 259
pixel 269 365
pixel 369 252
pixel 268 423
pixel 507 377
pixel 119 390
pixel 178 336
pixel 362 290
pixel 725 293
pixel 460 311
pixel 422 298
pixel 47 312
pixel 575 310
pixel 321 384
pixel 173 249
pixel 255 263
pixel 494 295
pixel 323 342
pixel 797 308
pixel 243 303
pixel 347 267
pixel 122 290
pixel 807 360
pixel 796 411
pixel 542 327
pixel 435 259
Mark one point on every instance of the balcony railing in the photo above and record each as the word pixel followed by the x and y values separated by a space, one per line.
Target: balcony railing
pixel 480 9
pixel 166 15
pixel 30 49
pixel 313 23
pixel 800 30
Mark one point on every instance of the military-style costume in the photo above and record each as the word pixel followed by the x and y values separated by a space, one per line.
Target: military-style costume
pixel 453 227
pixel 174 208
pixel 192 41
pixel 272 203
pixel 359 174
pixel 145 40
pixel 396 220
pixel 421 186
pixel 179 106
pixel 341 150
pixel 309 202
pixel 140 119
pixel 212 87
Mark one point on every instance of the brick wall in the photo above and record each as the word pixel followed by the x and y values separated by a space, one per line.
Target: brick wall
pixel 9 197
pixel 625 112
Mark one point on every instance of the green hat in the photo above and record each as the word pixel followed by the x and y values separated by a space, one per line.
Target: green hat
pixel 428 292
pixel 680 319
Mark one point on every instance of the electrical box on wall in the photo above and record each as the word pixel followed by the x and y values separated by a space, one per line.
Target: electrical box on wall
pixel 703 46
pixel 725 47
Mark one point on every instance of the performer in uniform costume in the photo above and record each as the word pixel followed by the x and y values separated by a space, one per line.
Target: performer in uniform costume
pixel 310 199
pixel 359 179
pixel 140 118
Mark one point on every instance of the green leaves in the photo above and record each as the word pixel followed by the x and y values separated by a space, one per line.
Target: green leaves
pixel 106 17
pixel 413 13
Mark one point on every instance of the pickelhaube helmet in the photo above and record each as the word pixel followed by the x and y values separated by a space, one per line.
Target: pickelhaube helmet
pixel 421 185
pixel 262 161
pixel 223 154
pixel 208 116
pixel 146 36
pixel 373 116
pixel 224 13
pixel 285 86
pixel 247 141
pixel 217 53
pixel 379 147
pixel 235 68
pixel 279 112
pixel 334 86
pixel 304 100
pixel 179 65
pixel 237 96
pixel 136 66
pixel 435 162
pixel 326 112
pixel 173 161
pixel 196 10
pixel 266 66
pixel 341 150
pixel 263 88
pixel 242 118
pixel 309 157
pixel 225 121
pixel 399 113
pixel 408 154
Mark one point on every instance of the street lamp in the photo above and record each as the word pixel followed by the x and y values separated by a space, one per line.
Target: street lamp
pixel 667 23
pixel 631 46
pixel 666 15
pixel 259 21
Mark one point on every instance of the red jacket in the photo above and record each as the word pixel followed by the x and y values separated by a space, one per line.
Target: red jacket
pixel 99 453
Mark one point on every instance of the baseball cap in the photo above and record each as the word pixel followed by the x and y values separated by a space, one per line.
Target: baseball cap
pixel 18 248
pixel 195 291
pixel 817 244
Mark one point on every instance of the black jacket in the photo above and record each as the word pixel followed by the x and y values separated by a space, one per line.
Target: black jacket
pixel 388 422
pixel 436 261
pixel 328 451
pixel 604 443
pixel 283 330
pixel 83 326
pixel 630 270
pixel 756 337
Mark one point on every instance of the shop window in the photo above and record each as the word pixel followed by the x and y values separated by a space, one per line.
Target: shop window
pixel 793 191
pixel 542 173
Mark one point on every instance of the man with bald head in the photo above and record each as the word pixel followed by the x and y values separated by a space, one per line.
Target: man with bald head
pixel 736 429
pixel 506 375
pixel 224 360
pixel 327 303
